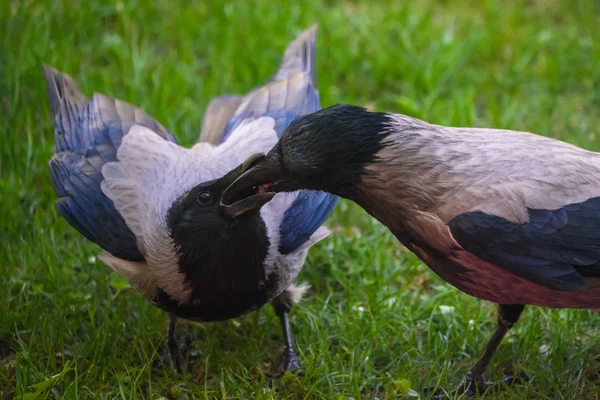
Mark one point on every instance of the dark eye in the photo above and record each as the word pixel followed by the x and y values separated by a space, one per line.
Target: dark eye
pixel 204 197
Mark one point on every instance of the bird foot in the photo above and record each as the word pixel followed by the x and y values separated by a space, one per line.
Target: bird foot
pixel 173 354
pixel 475 386
pixel 519 379
pixel 288 361
pixel 435 393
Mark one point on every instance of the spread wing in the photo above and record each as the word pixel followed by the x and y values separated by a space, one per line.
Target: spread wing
pixel 556 248
pixel 290 94
pixel 88 134
pixel 218 123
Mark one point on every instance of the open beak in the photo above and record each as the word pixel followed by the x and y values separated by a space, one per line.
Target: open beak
pixel 249 199
pixel 265 177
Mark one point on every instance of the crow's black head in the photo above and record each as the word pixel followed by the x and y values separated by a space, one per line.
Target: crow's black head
pixel 221 250
pixel 326 150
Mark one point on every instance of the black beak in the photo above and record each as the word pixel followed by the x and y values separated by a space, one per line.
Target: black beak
pixel 249 199
pixel 265 177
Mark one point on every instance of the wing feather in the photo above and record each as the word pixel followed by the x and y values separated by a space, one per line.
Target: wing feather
pixel 555 248
pixel 88 134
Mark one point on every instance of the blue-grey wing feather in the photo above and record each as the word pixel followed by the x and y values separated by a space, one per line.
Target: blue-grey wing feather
pixel 87 135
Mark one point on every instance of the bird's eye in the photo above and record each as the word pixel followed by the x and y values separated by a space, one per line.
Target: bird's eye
pixel 204 198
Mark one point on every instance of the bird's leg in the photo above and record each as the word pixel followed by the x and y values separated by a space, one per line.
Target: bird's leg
pixel 508 315
pixel 173 347
pixel 288 361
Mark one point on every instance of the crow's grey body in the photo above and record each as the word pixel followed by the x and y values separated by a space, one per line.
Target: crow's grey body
pixel 428 176
pixel 113 144
pixel 509 217
pixel 124 183
pixel 454 170
pixel 152 173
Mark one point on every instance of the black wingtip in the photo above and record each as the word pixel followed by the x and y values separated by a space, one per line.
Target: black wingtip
pixel 61 87
pixel 64 96
pixel 309 52
pixel 53 87
pixel 299 56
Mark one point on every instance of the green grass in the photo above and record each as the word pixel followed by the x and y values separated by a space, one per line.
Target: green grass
pixel 371 326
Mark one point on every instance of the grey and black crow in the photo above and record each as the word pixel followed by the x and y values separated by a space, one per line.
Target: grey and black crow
pixel 509 217
pixel 154 207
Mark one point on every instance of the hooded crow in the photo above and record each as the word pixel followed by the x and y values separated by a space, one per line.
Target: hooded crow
pixel 154 207
pixel 509 217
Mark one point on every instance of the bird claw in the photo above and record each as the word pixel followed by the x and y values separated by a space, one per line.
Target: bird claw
pixel 173 354
pixel 471 387
pixel 435 393
pixel 519 379
pixel 474 387
pixel 288 362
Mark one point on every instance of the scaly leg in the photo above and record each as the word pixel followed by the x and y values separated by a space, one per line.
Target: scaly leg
pixel 288 361
pixel 173 348
pixel 508 315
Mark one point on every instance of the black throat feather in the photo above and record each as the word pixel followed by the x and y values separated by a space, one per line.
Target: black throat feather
pixel 223 262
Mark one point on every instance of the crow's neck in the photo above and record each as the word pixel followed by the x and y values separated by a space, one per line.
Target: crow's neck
pixel 227 273
pixel 404 178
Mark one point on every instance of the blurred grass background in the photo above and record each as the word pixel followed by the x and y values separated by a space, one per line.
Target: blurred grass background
pixel 377 323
